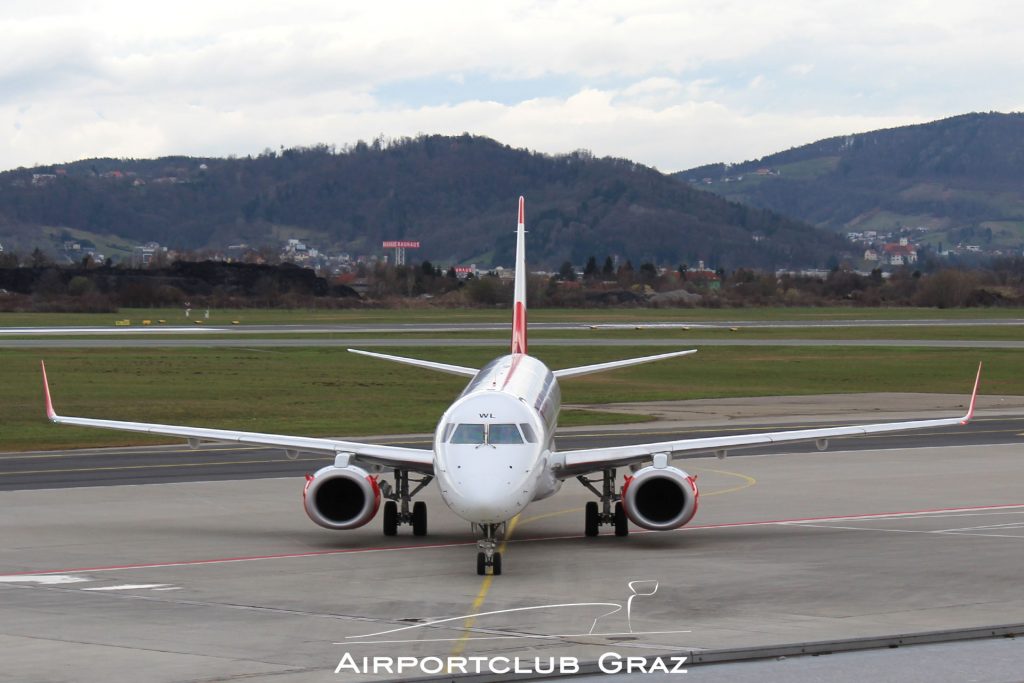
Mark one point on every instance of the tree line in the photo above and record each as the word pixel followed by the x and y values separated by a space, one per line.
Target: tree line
pixel 601 283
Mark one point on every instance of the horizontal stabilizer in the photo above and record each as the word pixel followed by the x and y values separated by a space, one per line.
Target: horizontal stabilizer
pixel 615 364
pixel 430 365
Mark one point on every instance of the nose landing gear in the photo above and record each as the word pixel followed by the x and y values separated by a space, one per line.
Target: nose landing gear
pixel 489 555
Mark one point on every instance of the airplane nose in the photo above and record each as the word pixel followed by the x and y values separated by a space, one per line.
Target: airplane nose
pixel 484 487
pixel 489 503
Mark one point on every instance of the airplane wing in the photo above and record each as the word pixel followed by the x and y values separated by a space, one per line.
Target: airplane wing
pixel 415 459
pixel 573 463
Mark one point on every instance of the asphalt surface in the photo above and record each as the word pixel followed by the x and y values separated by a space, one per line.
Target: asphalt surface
pixel 397 328
pixel 358 342
pixel 162 464
pixel 215 580
pixel 995 660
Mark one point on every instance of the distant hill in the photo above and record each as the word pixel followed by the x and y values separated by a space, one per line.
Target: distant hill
pixel 961 177
pixel 457 195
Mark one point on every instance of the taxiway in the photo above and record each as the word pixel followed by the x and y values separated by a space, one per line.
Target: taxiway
pixel 200 580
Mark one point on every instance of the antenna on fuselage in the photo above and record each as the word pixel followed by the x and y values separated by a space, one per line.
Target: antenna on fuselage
pixel 519 302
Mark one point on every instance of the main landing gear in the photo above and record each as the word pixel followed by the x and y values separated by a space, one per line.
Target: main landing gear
pixel 596 516
pixel 399 493
pixel 489 555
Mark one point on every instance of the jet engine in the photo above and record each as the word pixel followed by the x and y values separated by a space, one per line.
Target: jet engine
pixel 341 497
pixel 660 498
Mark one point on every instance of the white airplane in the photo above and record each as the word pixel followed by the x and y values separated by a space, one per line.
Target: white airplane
pixel 494 452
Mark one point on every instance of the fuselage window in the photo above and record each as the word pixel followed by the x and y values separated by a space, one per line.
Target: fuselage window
pixel 468 434
pixel 503 434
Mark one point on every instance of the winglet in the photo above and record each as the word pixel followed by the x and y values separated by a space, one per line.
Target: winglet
pixel 974 398
pixel 50 414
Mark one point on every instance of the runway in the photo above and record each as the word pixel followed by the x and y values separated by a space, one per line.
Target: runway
pixel 496 343
pixel 502 326
pixel 202 580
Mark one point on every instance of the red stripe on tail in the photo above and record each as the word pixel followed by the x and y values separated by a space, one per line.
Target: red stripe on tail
pixel 519 328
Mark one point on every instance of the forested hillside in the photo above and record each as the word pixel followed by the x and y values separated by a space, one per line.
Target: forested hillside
pixel 457 195
pixel 959 177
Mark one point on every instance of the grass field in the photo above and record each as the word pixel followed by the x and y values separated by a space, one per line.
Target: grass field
pixel 325 391
pixel 427 315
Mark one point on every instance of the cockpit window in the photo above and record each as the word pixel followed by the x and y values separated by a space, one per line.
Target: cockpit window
pixel 504 434
pixel 468 433
pixel 448 428
pixel 528 432
pixel 477 434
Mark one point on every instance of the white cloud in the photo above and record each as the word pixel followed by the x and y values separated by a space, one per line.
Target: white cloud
pixel 665 83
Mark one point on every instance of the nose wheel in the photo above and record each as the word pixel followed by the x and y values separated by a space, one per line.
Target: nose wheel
pixel 489 557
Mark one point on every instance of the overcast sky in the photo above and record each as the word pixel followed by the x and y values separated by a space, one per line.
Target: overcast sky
pixel 671 84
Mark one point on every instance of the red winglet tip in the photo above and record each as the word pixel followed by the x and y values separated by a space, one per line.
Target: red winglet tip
pixel 50 413
pixel 974 398
pixel 522 210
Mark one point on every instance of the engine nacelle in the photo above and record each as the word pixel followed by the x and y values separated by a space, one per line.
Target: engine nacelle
pixel 660 498
pixel 341 497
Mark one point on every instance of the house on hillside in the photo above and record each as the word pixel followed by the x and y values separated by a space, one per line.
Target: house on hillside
pixel 899 254
pixel 703 277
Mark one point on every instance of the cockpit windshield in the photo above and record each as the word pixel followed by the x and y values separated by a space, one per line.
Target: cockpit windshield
pixel 468 433
pixel 503 434
pixel 492 434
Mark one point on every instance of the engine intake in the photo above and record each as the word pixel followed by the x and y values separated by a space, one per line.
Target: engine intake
pixel 341 497
pixel 660 498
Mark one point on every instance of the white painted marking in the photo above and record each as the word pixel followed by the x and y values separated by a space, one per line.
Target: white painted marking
pixel 44 331
pixel 1010 525
pixel 904 515
pixel 127 587
pixel 865 451
pixel 984 530
pixel 45 579
pixel 539 636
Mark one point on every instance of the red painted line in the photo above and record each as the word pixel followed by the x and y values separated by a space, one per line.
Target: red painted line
pixel 243 558
pixel 427 546
pixel 798 520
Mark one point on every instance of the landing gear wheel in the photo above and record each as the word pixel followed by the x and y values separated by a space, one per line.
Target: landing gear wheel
pixel 496 564
pixel 591 519
pixel 390 518
pixel 481 563
pixel 621 521
pixel 419 518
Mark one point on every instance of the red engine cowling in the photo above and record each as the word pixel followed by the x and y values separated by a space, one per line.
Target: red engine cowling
pixel 660 498
pixel 341 497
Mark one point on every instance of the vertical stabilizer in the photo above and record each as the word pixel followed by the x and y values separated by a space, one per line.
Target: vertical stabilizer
pixel 519 304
